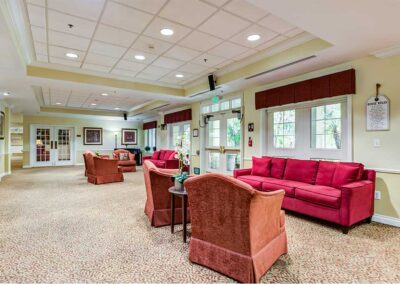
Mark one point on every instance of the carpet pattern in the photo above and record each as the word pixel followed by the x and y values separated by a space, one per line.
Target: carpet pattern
pixel 55 227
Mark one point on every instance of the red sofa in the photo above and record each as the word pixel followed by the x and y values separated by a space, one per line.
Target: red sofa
pixel 342 193
pixel 164 159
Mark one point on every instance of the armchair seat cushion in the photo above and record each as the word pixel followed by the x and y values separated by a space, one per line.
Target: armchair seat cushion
pixel 288 186
pixel 127 163
pixel 319 194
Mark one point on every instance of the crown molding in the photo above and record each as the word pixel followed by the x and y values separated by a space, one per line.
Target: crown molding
pixel 387 52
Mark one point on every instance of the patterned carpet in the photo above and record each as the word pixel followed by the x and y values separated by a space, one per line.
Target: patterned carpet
pixel 55 227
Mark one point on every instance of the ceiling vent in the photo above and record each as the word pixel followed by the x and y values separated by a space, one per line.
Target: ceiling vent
pixel 160 107
pixel 204 92
pixel 281 67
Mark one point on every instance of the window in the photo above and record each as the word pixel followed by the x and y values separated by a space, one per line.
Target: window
pixel 326 127
pixel 150 137
pixel 178 131
pixel 284 129
pixel 236 103
pixel 222 105
pixel 233 132
pixel 213 133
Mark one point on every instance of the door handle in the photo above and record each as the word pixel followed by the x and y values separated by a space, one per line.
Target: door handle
pixel 222 149
pixel 51 144
pixel 55 145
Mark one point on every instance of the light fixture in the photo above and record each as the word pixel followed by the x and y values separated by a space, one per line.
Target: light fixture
pixel 6 94
pixel 117 108
pixel 58 103
pixel 254 37
pixel 167 32
pixel 179 76
pixel 93 104
pixel 140 57
pixel 71 55
pixel 104 94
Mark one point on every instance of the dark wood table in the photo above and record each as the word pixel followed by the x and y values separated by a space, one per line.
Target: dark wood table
pixel 182 194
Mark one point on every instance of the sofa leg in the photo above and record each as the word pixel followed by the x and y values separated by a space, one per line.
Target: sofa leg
pixel 369 220
pixel 345 230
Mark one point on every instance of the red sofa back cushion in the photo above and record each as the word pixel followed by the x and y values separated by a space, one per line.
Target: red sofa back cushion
pixel 301 170
pixel 357 165
pixel 326 170
pixel 171 156
pixel 261 167
pixel 277 166
pixel 155 155
pixel 344 174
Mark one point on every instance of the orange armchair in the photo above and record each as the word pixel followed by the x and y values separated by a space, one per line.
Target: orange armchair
pixel 236 230
pixel 125 165
pixel 100 170
pixel 158 202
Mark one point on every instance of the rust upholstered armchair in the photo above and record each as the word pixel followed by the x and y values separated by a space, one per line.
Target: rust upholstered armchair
pixel 127 165
pixel 100 170
pixel 236 230
pixel 158 202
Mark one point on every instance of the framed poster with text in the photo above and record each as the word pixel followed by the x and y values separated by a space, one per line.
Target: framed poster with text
pixel 377 113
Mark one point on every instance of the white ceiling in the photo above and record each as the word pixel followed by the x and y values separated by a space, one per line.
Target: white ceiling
pixel 107 34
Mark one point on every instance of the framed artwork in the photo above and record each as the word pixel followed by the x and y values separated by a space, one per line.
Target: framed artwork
pixel 195 132
pixel 129 136
pixel 2 125
pixel 92 136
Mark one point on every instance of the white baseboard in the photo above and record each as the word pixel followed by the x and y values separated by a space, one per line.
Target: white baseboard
pixel 26 166
pixel 78 164
pixel 386 220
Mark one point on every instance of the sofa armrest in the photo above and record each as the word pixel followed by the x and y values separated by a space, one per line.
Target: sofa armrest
pixel 172 164
pixel 131 156
pixel 241 172
pixel 357 185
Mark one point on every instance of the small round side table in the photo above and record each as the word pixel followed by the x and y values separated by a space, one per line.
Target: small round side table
pixel 182 194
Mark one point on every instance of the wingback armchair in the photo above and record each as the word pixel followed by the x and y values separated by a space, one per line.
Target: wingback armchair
pixel 100 170
pixel 158 201
pixel 128 164
pixel 236 230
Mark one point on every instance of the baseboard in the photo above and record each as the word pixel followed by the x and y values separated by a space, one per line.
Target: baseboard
pixel 26 166
pixel 4 174
pixel 78 164
pixel 386 220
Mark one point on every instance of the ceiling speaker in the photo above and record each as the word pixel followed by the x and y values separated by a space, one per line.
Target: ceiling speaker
pixel 211 82
pixel 125 116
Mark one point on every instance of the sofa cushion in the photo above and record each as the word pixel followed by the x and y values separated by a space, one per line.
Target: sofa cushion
pixel 344 174
pixel 271 184
pixel 319 194
pixel 277 166
pixel 301 170
pixel 155 155
pixel 261 167
pixel 159 163
pixel 325 173
pixel 172 156
pixel 127 163
pixel 162 154
pixel 253 181
pixel 357 165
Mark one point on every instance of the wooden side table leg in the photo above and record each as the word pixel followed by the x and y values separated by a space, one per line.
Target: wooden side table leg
pixel 184 217
pixel 172 213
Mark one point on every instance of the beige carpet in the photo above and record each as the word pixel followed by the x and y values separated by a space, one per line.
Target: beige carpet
pixel 55 227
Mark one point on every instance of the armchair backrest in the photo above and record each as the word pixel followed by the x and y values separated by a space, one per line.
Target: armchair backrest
pixel 105 166
pixel 117 152
pixel 84 158
pixel 89 162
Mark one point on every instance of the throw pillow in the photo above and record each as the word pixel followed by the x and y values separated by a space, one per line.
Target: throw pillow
pixel 155 155
pixel 261 167
pixel 123 156
pixel 344 175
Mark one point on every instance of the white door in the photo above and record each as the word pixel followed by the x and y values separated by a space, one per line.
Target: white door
pixel 53 146
pixel 223 138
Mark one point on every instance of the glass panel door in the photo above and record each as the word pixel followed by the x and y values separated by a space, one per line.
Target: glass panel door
pixel 43 146
pixel 62 146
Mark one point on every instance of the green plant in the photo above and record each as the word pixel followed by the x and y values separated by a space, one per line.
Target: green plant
pixel 154 148
pixel 97 153
pixel 147 148
pixel 181 177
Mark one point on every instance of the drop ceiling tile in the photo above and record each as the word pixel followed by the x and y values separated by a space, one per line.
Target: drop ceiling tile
pixel 99 59
pixel 145 5
pixel 277 40
pixel 153 30
pixel 67 62
pixel 200 41
pixel 124 17
pixel 151 45
pixel 130 65
pixel 88 9
pixel 227 50
pixel 154 70
pixel 171 78
pixel 167 63
pixel 218 3
pixel 224 64
pixel 57 51
pixel 106 49
pixel 68 40
pixel 42 58
pixel 224 25
pixel 189 12
pixel 115 36
pixel 37 15
pixel 95 67
pixel 245 10
pixel 123 72
pixel 294 32
pixel 59 22
pixel 265 34
pixel 211 61
pixel 130 55
pixel 37 2
pixel 192 68
pixel 39 34
pixel 182 53
pixel 147 76
pixel 276 24
pixel 246 54
pixel 40 48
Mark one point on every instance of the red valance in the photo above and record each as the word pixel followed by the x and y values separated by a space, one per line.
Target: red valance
pixel 150 125
pixel 178 116
pixel 337 84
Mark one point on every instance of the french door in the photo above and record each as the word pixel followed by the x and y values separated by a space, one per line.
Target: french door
pixel 223 140
pixel 53 146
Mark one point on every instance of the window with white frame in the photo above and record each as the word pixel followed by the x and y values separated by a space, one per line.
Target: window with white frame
pixel 150 137
pixel 227 104
pixel 177 131
pixel 318 129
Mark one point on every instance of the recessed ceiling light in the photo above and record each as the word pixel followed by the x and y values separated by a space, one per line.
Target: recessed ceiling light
pixel 104 94
pixel 140 57
pixel 93 104
pixel 58 103
pixel 6 94
pixel 117 108
pixel 167 32
pixel 71 55
pixel 253 37
pixel 179 76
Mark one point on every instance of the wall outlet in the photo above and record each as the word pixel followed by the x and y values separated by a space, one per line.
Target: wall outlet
pixel 377 142
pixel 377 195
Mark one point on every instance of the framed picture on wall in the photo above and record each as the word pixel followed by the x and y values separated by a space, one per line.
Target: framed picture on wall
pixel 195 132
pixel 92 136
pixel 2 125
pixel 129 136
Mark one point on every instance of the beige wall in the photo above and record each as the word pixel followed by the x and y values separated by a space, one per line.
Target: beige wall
pixel 5 162
pixel 110 128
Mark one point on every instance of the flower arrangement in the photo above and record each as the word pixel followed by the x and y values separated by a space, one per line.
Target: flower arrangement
pixel 97 153
pixel 182 149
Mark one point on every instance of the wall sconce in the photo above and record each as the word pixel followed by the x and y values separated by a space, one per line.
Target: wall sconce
pixel 163 126
pixel 238 113
pixel 206 119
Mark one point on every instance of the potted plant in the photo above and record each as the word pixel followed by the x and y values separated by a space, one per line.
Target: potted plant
pixel 182 149
pixel 154 148
pixel 147 149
